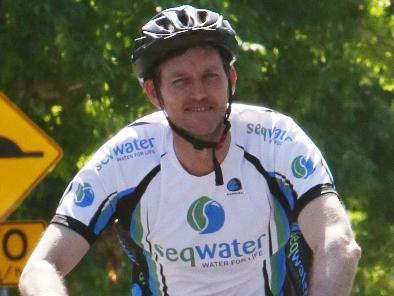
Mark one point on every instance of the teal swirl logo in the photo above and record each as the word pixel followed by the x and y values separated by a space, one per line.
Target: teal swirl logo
pixel 84 195
pixel 234 185
pixel 302 167
pixel 205 215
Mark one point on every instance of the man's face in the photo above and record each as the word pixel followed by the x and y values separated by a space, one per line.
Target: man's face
pixel 194 90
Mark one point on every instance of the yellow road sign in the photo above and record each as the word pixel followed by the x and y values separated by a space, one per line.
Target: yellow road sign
pixel 17 241
pixel 26 156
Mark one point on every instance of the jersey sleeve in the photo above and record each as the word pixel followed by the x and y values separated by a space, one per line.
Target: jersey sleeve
pixel 87 201
pixel 300 163
pixel 300 174
pixel 97 194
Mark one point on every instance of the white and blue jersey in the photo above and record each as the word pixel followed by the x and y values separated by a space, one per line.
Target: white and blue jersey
pixel 185 235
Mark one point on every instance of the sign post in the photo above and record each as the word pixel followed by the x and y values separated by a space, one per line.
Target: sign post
pixel 17 241
pixel 26 155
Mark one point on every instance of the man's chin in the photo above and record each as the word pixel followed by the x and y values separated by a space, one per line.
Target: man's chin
pixel 207 134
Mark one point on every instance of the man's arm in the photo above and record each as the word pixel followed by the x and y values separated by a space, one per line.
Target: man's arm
pixel 327 230
pixel 57 253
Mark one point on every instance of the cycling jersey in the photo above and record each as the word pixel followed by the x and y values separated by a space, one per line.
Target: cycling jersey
pixel 185 234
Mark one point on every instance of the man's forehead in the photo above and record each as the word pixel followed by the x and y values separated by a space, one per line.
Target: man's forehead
pixel 206 58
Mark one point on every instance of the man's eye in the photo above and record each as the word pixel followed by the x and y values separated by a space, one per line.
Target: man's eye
pixel 179 81
pixel 211 75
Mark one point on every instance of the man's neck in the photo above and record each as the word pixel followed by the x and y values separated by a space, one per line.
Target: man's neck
pixel 199 162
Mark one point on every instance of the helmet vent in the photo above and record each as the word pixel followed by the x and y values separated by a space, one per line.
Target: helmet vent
pixel 203 16
pixel 165 24
pixel 183 18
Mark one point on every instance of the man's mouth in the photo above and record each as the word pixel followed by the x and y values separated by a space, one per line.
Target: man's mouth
pixel 199 109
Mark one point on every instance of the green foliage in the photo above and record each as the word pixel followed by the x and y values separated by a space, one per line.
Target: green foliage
pixel 330 65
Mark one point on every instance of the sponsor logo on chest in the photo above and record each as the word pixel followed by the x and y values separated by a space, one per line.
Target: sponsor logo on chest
pixel 206 217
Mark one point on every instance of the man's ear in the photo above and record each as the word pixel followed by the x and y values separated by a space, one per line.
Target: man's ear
pixel 233 78
pixel 150 91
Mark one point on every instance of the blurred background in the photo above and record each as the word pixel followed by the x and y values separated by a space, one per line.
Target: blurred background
pixel 329 64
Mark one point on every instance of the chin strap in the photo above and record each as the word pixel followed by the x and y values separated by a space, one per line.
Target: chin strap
pixel 197 143
pixel 217 168
pixel 200 144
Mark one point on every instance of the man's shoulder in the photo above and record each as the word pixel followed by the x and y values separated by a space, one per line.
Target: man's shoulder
pixel 243 113
pixel 151 125
pixel 157 118
pixel 139 142
pixel 253 126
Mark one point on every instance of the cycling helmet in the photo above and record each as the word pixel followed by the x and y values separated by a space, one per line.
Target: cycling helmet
pixel 181 28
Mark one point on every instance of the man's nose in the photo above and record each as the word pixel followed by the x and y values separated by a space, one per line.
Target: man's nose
pixel 198 90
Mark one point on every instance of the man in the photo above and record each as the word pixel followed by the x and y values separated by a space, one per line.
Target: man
pixel 209 197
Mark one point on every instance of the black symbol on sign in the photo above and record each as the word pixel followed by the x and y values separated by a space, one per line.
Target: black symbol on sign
pixel 10 149
pixel 9 253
